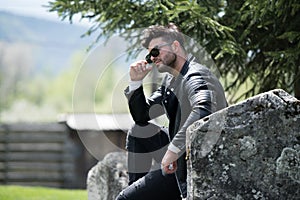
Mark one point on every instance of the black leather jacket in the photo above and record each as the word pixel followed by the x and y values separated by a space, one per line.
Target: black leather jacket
pixel 194 94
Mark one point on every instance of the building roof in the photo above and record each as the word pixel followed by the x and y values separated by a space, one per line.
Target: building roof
pixel 97 122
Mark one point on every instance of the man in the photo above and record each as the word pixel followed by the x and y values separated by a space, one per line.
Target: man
pixel 189 92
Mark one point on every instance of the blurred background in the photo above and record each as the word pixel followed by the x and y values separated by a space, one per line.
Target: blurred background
pixel 37 53
pixel 44 61
pixel 40 59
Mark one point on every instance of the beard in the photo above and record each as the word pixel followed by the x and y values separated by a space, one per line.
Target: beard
pixel 168 64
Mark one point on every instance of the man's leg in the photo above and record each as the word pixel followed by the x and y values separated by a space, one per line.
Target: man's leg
pixel 138 161
pixel 153 186
pixel 143 144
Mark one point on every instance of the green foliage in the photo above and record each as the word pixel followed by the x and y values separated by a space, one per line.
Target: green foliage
pixel 40 193
pixel 32 52
pixel 256 42
pixel 268 32
pixel 41 98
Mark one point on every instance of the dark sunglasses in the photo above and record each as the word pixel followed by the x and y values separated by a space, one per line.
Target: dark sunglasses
pixel 154 52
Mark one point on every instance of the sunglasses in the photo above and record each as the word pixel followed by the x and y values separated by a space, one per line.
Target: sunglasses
pixel 154 52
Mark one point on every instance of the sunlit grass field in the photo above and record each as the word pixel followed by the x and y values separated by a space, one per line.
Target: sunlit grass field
pixel 40 193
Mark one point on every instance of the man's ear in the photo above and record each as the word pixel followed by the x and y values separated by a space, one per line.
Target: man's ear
pixel 176 46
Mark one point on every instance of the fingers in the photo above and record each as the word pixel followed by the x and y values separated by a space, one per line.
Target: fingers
pixel 168 163
pixel 139 70
pixel 170 168
pixel 140 66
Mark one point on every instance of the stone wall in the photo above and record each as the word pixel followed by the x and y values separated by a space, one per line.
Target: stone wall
pixel 250 150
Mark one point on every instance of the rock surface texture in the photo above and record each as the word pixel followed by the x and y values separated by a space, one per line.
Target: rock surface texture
pixel 108 178
pixel 250 150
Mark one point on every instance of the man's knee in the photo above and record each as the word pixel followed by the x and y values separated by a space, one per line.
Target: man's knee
pixel 138 134
pixel 146 131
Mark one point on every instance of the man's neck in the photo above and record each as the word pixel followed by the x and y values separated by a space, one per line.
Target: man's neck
pixel 178 65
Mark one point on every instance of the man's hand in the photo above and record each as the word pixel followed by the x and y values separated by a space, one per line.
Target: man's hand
pixel 138 70
pixel 168 163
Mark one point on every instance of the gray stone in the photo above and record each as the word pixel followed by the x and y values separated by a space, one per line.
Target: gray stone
pixel 108 178
pixel 250 150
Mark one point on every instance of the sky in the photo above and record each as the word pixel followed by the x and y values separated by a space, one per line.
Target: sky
pixel 34 8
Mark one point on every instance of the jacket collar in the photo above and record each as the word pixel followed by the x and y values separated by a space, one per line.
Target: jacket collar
pixel 185 66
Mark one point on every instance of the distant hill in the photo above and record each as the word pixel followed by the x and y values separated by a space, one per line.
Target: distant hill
pixel 52 43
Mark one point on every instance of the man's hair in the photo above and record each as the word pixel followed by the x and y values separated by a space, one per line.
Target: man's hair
pixel 168 33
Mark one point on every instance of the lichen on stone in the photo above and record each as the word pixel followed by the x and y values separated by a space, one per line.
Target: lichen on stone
pixel 247 147
pixel 289 163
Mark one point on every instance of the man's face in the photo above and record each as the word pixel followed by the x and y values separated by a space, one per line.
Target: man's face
pixel 166 58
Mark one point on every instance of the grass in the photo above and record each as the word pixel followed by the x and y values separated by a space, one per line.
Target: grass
pixel 40 193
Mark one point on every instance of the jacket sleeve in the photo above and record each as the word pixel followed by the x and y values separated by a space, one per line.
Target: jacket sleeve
pixel 201 96
pixel 142 109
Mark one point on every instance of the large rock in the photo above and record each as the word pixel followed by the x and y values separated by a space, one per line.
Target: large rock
pixel 108 178
pixel 250 150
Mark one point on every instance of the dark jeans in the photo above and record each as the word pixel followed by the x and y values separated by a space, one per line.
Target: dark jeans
pixel 146 181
